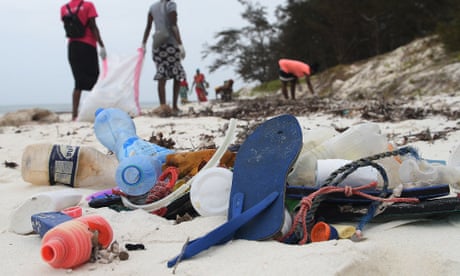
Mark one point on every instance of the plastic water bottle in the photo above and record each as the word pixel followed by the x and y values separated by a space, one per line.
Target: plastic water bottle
pixel 74 166
pixel 357 142
pixel 70 244
pixel 136 175
pixel 140 161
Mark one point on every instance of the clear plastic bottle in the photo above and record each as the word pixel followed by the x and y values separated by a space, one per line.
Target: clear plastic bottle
pixel 358 141
pixel 70 244
pixel 75 166
pixel 423 173
pixel 140 161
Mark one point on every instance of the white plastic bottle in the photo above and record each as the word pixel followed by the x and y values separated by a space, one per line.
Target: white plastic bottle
pixel 358 141
pixel 361 176
pixel 315 137
pixel 74 166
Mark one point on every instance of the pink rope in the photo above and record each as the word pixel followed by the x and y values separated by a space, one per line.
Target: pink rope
pixel 163 188
pixel 105 68
pixel 306 202
pixel 159 191
pixel 137 76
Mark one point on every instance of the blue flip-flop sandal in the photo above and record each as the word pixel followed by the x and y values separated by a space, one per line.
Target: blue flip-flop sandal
pixel 256 206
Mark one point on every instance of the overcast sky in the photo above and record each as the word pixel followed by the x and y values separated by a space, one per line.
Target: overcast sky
pixel 34 52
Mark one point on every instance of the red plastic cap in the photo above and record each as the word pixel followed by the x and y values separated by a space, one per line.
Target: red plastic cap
pixel 74 212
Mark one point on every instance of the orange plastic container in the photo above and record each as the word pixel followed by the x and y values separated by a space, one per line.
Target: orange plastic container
pixel 69 244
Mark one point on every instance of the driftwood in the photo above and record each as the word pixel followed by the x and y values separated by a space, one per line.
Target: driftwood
pixel 426 135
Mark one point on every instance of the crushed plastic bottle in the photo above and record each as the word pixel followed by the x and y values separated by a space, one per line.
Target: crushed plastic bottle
pixel 140 161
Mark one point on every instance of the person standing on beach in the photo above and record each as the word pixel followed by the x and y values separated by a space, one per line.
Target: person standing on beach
pixel 183 91
pixel 82 51
pixel 290 72
pixel 200 84
pixel 167 50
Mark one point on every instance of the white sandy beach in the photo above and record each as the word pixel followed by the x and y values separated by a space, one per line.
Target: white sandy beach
pixel 424 247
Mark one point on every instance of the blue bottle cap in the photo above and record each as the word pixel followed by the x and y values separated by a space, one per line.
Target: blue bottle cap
pixel 136 175
pixel 99 110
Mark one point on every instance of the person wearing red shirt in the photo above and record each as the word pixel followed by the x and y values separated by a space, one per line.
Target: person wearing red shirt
pixel 290 72
pixel 82 52
pixel 200 84
pixel 183 91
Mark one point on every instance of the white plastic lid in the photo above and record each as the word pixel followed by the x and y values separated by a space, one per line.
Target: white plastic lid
pixel 210 191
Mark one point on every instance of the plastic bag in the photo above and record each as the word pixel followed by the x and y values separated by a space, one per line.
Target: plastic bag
pixel 117 87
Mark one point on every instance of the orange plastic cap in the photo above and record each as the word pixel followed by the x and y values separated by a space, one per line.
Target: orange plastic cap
pixel 320 232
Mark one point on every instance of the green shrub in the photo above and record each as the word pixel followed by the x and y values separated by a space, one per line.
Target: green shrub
pixel 450 34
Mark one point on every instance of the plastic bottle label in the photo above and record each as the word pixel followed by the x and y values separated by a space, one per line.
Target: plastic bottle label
pixel 63 163
pixel 135 146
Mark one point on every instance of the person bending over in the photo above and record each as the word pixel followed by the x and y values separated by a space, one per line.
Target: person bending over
pixel 290 72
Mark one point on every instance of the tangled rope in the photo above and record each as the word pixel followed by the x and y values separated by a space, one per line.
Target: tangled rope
pixel 307 202
pixel 163 188
pixel 312 201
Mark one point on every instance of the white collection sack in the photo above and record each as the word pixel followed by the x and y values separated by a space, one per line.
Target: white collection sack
pixel 118 87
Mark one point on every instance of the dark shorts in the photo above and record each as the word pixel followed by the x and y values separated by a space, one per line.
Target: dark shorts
pixel 84 63
pixel 167 61
pixel 284 76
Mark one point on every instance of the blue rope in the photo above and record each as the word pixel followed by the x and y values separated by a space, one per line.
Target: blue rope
pixel 349 168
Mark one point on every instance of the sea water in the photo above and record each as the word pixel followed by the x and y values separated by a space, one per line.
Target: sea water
pixel 57 108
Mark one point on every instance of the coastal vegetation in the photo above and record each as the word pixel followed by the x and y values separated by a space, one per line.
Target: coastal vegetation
pixel 333 34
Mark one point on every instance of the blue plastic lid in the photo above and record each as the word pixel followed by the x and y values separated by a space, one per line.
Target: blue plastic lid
pixel 99 110
pixel 136 175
